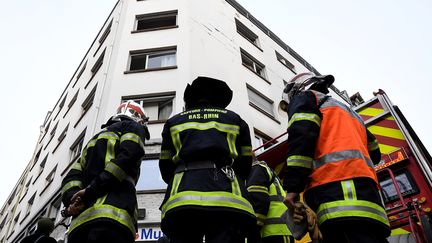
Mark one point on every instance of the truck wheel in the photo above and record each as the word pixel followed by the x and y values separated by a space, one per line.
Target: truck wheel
pixel 427 227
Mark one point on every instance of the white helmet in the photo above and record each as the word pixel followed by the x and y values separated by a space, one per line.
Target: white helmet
pixel 132 110
pixel 301 82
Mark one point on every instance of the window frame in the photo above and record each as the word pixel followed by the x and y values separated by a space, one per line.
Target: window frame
pixel 262 73
pixel 248 34
pixel 285 62
pixel 257 107
pixel 151 52
pixel 154 98
pixel 104 36
pixel 87 104
pixel 155 16
pixel 74 156
pixel 80 73
pixel 96 66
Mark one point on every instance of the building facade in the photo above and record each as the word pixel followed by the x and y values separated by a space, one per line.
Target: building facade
pixel 148 51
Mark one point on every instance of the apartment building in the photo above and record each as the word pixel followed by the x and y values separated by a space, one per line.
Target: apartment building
pixel 147 51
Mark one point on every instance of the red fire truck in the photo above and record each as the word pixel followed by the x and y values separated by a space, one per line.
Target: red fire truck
pixel 404 173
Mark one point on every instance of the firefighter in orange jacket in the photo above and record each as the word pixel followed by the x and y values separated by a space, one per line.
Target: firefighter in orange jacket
pixel 331 156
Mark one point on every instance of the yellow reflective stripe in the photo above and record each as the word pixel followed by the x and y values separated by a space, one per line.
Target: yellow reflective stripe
pixel 246 150
pixel 176 182
pixel 235 187
pixel 110 153
pixel 91 143
pixel 231 130
pixel 177 145
pixel 260 219
pixel 166 154
pixel 300 161
pixel 116 171
pixel 351 208
pixel 207 199
pixel 104 211
pixel 72 184
pixel 373 145
pixel 305 117
pixel 259 189
pixel 228 128
pixel 349 190
pixel 77 166
pixel 132 137
pixel 107 135
pixel 231 138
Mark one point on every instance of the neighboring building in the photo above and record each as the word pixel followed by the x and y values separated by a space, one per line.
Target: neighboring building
pixel 148 51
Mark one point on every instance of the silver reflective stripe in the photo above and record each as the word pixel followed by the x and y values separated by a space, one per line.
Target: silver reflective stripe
pixel 176 183
pixel 330 102
pixel 104 211
pixel 115 170
pixel 305 117
pixel 206 198
pixel 349 190
pixel 72 184
pixel 166 154
pixel 132 137
pixel 235 187
pixel 341 155
pixel 344 211
pixel 228 128
pixel 299 161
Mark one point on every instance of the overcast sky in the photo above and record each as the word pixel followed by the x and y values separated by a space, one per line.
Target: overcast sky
pixel 366 45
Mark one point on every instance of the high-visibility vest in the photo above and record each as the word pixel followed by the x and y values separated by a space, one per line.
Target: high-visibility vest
pixel 342 149
pixel 276 220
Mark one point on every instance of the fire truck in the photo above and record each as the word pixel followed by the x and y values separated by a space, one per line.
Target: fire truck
pixel 404 173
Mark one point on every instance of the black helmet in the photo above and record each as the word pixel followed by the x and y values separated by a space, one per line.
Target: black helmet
pixel 209 90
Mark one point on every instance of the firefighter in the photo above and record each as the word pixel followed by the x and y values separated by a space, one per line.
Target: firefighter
pixel 205 159
pixel 331 156
pixel 267 196
pixel 42 234
pixel 99 190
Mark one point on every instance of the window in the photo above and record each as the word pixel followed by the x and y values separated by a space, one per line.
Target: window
pixel 285 62
pixel 52 134
pixel 79 74
pixel 158 107
pixel 54 209
pixel 156 21
pixel 252 64
pixel 50 176
pixel 41 168
pixel 260 102
pixel 36 158
pixel 27 185
pixel 74 98
pixel 153 59
pixel 14 222
pixel 96 67
pixel 3 222
pixel 76 147
pixel 260 139
pixel 29 204
pixel 88 102
pixel 105 33
pixel 247 33
pixel 63 134
pixel 406 185
pixel 61 104
pixel 150 177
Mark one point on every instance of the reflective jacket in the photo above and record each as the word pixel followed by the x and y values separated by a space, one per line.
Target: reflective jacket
pixel 108 168
pixel 196 144
pixel 267 195
pixel 331 154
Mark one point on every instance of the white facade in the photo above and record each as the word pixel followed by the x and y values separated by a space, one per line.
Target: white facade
pixel 149 51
